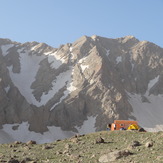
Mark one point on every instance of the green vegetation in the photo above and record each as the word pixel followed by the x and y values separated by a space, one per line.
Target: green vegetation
pixel 87 149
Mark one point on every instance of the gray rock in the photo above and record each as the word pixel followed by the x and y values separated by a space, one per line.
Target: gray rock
pixel 135 143
pixel 13 161
pixel 142 130
pixel 149 144
pixel 31 142
pixel 112 156
pixel 99 140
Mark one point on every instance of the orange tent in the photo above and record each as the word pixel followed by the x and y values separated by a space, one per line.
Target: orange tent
pixel 122 124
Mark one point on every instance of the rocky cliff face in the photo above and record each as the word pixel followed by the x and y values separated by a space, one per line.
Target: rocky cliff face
pixel 92 77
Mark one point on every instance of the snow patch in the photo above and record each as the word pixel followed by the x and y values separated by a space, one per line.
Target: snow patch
pixel 118 59
pixel 148 114
pixel 34 48
pixel 91 81
pixel 7 88
pixel 23 80
pixel 5 137
pixel 61 81
pixel 72 54
pixel 70 87
pixel 23 134
pixel 71 48
pixel 29 68
pixel 83 59
pixel 107 52
pixel 5 48
pixel 55 60
pixel 83 67
pixel 82 64
pixel 153 82
pixel 64 79
pixel 132 66
pixel 88 126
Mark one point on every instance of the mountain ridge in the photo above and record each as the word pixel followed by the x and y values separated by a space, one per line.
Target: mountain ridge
pixel 94 77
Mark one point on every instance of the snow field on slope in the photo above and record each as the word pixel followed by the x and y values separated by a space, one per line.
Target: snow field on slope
pixel 62 80
pixel 23 134
pixel 66 79
pixel 152 83
pixel 29 67
pixel 148 114
pixel 88 126
pixel 23 80
pixel 54 59
pixel 5 137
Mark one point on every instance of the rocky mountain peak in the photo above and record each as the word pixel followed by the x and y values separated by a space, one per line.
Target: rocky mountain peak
pixel 94 37
pixel 5 41
pixel 128 40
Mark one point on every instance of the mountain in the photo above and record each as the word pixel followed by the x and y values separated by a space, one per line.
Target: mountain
pixel 50 93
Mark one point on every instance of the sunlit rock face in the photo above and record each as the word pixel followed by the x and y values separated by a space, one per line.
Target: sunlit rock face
pixel 93 78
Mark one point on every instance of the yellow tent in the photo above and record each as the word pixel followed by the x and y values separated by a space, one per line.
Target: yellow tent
pixel 133 127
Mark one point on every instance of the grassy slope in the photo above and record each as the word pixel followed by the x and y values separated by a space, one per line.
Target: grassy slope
pixel 84 149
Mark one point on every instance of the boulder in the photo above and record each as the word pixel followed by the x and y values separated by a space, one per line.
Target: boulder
pixel 112 156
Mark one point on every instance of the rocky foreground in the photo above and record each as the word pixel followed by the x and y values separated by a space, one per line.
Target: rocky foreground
pixel 112 146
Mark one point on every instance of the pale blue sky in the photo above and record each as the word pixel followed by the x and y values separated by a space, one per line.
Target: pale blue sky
pixel 58 22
